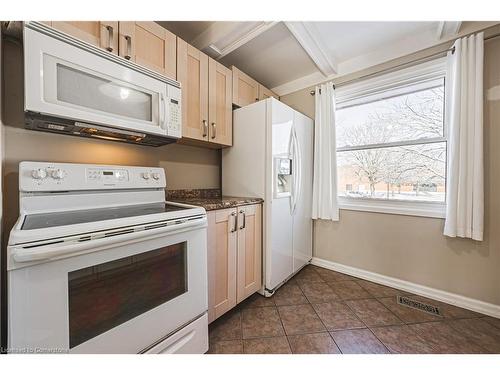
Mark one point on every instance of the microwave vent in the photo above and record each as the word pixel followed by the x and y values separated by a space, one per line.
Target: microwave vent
pixel 36 121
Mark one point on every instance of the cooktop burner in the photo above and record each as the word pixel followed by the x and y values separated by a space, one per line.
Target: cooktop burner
pixel 55 219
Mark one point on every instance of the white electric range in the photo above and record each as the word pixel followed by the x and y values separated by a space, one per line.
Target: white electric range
pixel 98 262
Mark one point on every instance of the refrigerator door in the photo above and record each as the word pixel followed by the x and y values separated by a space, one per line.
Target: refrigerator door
pixel 302 194
pixel 279 253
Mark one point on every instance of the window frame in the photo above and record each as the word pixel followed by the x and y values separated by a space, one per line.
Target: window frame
pixel 368 91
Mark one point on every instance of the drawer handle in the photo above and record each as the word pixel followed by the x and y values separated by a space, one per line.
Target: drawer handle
pixel 243 225
pixel 235 225
pixel 110 38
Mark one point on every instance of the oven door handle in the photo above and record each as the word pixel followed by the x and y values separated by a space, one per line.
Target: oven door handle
pixel 66 249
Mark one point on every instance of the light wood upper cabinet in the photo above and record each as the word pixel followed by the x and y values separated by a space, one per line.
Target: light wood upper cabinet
pixel 206 98
pixel 245 88
pixel 249 268
pixel 192 73
pixel 146 43
pixel 220 103
pixel 102 34
pixel 234 257
pixel 265 93
pixel 222 257
pixel 150 45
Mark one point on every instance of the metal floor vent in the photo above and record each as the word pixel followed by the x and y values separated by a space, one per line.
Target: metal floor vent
pixel 425 307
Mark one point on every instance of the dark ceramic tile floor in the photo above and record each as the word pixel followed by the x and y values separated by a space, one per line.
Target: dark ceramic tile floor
pixel 326 312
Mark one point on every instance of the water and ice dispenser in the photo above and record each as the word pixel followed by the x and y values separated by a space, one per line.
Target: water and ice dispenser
pixel 282 176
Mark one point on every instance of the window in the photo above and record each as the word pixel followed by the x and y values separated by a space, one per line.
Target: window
pixel 391 143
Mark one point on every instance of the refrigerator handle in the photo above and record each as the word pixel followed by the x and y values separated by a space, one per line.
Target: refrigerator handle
pixel 291 148
pixel 297 171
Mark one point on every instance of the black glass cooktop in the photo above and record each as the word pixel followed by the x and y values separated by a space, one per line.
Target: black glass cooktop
pixel 55 219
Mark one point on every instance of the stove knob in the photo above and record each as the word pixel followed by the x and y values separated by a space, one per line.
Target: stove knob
pixel 39 174
pixel 145 175
pixel 156 176
pixel 57 174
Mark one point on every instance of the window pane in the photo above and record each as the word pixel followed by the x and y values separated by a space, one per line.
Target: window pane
pixel 414 172
pixel 402 118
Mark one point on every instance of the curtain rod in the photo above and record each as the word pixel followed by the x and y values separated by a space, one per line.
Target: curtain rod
pixel 413 62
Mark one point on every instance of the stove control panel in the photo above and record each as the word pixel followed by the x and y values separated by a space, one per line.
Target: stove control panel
pixel 46 176
pixel 109 175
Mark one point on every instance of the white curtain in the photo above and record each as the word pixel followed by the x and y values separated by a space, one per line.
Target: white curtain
pixel 464 113
pixel 325 203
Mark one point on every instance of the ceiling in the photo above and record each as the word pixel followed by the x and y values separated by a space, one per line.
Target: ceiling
pixel 345 40
pixel 276 48
pixel 187 30
pixel 288 56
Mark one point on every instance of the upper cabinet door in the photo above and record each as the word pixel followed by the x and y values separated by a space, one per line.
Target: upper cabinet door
pixel 150 45
pixel 219 103
pixel 192 73
pixel 102 34
pixel 265 93
pixel 245 88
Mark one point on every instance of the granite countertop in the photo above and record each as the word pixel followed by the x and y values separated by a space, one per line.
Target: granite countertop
pixel 209 199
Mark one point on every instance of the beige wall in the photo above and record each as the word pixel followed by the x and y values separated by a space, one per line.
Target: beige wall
pixel 414 248
pixel 185 166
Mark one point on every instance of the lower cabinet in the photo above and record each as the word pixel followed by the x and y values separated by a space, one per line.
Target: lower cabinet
pixel 234 257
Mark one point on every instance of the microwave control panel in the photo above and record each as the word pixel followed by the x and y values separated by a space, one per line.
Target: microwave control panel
pixel 174 109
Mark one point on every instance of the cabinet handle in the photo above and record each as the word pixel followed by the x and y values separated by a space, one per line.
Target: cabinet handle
pixel 110 38
pixel 205 128
pixel 235 225
pixel 128 55
pixel 243 225
pixel 213 130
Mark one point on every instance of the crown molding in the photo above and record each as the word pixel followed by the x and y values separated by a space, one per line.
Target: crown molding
pixel 210 40
pixel 310 40
pixel 448 29
pixel 399 49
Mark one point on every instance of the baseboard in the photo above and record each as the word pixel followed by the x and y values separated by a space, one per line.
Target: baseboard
pixel 437 294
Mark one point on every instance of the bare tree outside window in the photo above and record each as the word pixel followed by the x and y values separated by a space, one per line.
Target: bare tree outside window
pixel 393 148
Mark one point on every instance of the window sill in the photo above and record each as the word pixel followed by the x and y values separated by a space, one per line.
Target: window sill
pixel 411 208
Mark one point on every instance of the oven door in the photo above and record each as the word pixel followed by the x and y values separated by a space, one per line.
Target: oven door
pixel 119 300
pixel 67 81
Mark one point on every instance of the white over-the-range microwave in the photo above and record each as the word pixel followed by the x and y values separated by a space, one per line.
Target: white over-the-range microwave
pixel 75 88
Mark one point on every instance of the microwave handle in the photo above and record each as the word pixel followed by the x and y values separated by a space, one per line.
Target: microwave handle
pixel 163 112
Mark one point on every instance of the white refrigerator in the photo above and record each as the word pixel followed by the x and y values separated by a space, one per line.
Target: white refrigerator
pixel 272 158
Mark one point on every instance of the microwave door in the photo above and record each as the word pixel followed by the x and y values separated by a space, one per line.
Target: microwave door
pixel 66 81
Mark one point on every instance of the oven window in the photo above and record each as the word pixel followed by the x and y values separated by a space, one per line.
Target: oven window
pixel 106 295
